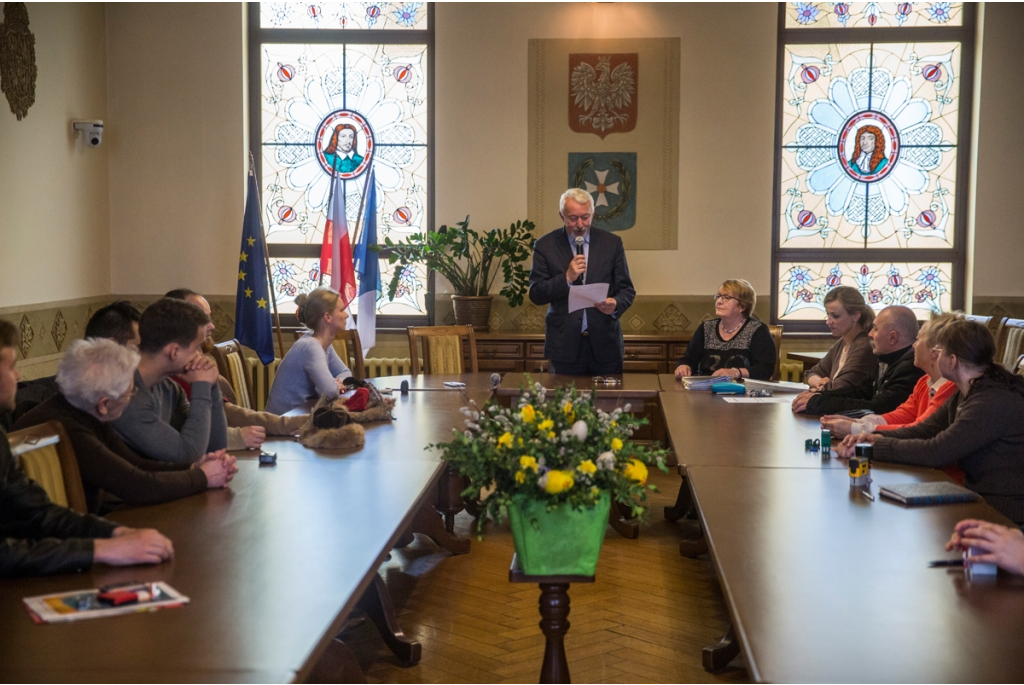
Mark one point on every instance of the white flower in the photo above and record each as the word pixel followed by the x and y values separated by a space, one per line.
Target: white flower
pixel 542 482
pixel 579 430
pixel 606 461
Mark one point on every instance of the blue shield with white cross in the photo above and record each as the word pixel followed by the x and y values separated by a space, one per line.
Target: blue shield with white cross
pixel 610 178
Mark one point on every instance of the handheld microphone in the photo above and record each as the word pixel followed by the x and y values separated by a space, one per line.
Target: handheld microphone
pixel 579 244
pixel 495 380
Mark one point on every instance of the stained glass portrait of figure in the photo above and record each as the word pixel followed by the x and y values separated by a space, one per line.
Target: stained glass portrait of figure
pixel 334 105
pixel 872 160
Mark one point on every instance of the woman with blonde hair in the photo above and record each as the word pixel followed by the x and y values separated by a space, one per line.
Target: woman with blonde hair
pixel 850 362
pixel 733 344
pixel 311 367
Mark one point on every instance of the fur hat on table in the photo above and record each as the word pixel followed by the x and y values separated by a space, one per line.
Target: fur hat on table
pixel 334 424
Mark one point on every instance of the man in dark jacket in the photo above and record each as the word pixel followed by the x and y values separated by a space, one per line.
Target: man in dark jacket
pixel 38 537
pixel 587 341
pixel 892 338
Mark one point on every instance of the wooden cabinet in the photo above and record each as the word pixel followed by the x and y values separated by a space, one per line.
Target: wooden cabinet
pixel 524 352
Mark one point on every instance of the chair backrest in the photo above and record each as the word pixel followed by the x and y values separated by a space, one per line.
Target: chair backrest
pixel 443 350
pixel 776 332
pixel 1010 344
pixel 45 454
pixel 996 326
pixel 232 365
pixel 348 347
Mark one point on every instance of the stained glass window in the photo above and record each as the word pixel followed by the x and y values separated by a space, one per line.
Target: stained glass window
pixel 834 15
pixel 309 90
pixel 871 164
pixel 343 15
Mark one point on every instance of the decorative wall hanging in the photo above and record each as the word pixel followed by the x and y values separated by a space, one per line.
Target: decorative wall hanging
pixel 17 59
pixel 618 137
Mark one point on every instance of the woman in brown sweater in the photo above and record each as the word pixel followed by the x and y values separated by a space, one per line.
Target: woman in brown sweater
pixel 980 428
pixel 96 382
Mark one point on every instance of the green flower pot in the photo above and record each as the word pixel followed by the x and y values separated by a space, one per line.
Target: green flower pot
pixel 560 542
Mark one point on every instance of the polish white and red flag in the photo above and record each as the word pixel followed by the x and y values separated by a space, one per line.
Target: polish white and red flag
pixel 336 251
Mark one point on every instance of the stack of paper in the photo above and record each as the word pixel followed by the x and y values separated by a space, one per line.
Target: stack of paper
pixel 775 386
pixel 703 382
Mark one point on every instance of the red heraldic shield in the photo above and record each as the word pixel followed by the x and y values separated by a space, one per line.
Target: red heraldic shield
pixel 602 92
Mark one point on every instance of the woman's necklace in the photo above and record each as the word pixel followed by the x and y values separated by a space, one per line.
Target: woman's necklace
pixel 730 331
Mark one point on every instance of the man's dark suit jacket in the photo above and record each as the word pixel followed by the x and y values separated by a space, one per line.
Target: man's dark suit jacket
pixel 562 330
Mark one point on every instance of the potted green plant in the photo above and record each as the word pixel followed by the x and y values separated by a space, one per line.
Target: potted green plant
pixel 553 463
pixel 471 262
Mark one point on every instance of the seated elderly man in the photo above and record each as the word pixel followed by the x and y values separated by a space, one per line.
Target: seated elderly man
pixel 892 338
pixel 38 537
pixel 96 383
pixel 159 422
pixel 246 428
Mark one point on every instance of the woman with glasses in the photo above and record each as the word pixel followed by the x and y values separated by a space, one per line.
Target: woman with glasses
pixel 850 363
pixel 733 345
pixel 980 428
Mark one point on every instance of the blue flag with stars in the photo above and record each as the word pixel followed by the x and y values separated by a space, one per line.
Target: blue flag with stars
pixel 253 326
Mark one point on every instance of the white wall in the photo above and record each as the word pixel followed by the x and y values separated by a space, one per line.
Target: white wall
pixel 177 145
pixel 54 242
pixel 726 125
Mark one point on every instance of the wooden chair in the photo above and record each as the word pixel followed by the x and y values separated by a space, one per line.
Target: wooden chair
pixel 776 332
pixel 996 326
pixel 348 347
pixel 443 350
pixel 1010 343
pixel 45 454
pixel 231 364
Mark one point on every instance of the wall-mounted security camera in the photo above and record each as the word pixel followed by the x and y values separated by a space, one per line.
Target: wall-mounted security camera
pixel 92 131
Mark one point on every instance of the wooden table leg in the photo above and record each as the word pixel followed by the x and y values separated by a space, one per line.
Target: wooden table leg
pixel 683 505
pixel 554 612
pixel 429 523
pixel 627 529
pixel 449 497
pixel 694 547
pixel 718 657
pixel 337 665
pixel 376 602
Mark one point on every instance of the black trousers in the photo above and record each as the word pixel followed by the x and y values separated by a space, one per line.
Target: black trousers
pixel 585 364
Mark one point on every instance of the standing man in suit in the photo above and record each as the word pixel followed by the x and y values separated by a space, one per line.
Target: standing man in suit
pixel 587 341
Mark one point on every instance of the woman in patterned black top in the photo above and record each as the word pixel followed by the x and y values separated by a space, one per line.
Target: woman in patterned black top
pixel 733 345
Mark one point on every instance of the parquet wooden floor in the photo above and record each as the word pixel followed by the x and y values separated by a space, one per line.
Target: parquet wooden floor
pixel 645 619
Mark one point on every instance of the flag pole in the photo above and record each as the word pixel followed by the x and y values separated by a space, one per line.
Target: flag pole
pixel 266 258
pixel 362 201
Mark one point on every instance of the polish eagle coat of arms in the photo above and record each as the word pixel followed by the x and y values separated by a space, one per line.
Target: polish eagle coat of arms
pixel 602 93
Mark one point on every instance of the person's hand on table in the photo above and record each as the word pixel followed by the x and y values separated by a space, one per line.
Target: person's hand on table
pixel 817 383
pixel 219 468
pixel 683 371
pixel 839 425
pixel 253 436
pixel 1002 546
pixel 731 374
pixel 800 401
pixel 577 266
pixel 607 307
pixel 846 448
pixel 131 546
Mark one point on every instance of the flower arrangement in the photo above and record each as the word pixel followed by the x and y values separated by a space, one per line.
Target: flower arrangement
pixel 561 450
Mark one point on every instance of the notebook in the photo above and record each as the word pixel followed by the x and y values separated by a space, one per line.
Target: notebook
pixel 929 493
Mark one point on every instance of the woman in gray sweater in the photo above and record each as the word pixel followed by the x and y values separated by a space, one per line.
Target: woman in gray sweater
pixel 980 428
pixel 311 367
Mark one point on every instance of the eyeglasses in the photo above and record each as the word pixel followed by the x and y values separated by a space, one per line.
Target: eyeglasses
pixel 938 350
pixel 720 296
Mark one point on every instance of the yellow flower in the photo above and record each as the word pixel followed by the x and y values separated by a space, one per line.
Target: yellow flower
pixel 551 435
pixel 558 481
pixel 613 424
pixel 616 444
pixel 528 414
pixel 595 490
pixel 587 467
pixel 567 408
pixel 635 470
pixel 505 440
pixel 520 477
pixel 546 425
pixel 520 440
pixel 528 462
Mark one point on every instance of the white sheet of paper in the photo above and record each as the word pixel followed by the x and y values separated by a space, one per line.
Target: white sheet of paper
pixel 758 400
pixel 583 296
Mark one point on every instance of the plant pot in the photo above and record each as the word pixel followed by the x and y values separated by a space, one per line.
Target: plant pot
pixel 560 542
pixel 473 311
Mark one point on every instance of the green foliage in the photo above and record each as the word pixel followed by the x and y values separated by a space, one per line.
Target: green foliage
pixel 469 260
pixel 559 449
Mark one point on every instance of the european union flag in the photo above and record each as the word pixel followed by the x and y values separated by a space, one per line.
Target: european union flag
pixel 253 326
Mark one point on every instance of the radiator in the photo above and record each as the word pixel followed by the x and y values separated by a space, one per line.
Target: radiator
pixel 390 366
pixel 791 371
pixel 262 379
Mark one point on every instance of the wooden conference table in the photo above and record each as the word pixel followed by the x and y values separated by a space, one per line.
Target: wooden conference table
pixel 274 564
pixel 821 585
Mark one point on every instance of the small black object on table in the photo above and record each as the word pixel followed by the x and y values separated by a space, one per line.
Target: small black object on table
pixel 554 622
